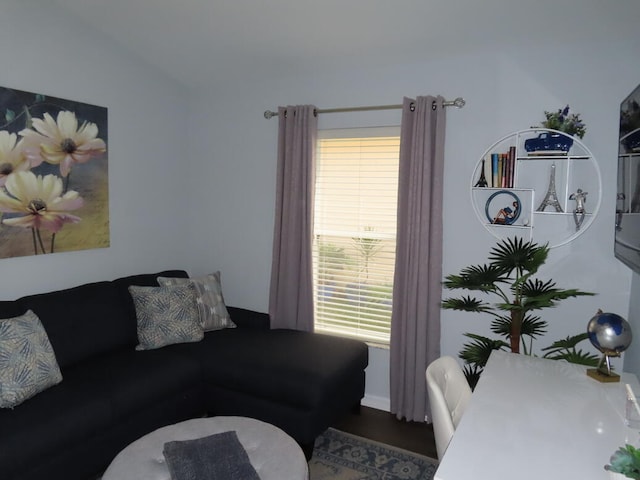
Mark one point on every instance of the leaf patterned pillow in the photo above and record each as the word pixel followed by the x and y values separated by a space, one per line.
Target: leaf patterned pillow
pixel 166 315
pixel 27 362
pixel 213 311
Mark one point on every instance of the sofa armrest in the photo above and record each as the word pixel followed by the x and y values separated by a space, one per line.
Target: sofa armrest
pixel 244 318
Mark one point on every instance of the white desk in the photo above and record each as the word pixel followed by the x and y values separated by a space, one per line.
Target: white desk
pixel 531 418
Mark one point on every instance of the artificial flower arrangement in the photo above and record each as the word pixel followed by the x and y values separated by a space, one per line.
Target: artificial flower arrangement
pixel 562 121
pixel 44 202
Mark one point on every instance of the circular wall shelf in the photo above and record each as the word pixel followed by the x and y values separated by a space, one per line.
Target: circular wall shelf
pixel 539 184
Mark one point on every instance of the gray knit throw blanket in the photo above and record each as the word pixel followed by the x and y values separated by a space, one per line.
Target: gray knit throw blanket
pixel 217 457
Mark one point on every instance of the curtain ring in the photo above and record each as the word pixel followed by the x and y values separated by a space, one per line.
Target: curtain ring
pixel 412 106
pixel 315 112
pixel 434 105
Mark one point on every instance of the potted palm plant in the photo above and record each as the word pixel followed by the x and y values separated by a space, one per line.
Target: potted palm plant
pixel 507 289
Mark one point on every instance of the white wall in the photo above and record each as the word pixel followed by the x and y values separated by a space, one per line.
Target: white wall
pixel 505 91
pixel 192 174
pixel 43 51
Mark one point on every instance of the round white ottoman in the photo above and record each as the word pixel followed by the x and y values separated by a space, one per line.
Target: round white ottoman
pixel 273 453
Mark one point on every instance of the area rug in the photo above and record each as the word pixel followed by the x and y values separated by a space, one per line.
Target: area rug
pixel 341 456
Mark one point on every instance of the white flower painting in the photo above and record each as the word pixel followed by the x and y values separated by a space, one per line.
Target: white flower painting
pixel 54 194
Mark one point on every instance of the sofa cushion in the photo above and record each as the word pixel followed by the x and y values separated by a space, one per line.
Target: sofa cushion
pixel 54 421
pixel 83 322
pixel 135 380
pixel 213 311
pixel 295 368
pixel 9 309
pixel 166 315
pixel 27 362
pixel 124 394
pixel 244 318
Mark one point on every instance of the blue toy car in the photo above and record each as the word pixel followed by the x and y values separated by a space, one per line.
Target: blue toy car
pixel 549 142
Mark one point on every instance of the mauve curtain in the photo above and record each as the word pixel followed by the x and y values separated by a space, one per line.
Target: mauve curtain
pixel 291 295
pixel 417 289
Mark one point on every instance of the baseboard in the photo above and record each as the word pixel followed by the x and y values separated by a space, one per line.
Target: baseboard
pixel 379 403
pixel 382 403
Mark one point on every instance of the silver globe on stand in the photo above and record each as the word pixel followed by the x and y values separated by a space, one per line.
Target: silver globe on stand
pixel 611 334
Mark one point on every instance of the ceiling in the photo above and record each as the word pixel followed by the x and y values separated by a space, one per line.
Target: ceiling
pixel 195 41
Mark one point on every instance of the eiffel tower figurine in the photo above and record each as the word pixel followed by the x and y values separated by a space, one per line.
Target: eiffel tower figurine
pixel 551 198
pixel 482 181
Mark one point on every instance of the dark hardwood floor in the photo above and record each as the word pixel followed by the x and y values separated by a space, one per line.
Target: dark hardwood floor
pixel 384 427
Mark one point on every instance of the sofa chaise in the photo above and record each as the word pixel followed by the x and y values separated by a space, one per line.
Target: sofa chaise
pixel 111 393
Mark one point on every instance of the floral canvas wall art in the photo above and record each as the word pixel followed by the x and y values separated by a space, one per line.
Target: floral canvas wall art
pixel 54 189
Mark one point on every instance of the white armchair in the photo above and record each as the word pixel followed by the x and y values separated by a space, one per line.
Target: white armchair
pixel 449 394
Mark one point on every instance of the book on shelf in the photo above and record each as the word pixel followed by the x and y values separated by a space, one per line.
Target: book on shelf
pixel 498 169
pixel 505 170
pixel 495 166
pixel 512 166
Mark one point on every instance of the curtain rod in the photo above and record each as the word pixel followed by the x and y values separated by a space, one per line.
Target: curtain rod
pixel 458 103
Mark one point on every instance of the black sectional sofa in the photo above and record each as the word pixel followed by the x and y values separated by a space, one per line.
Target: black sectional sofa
pixel 112 394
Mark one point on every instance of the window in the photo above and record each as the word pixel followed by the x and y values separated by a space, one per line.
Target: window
pixel 355 231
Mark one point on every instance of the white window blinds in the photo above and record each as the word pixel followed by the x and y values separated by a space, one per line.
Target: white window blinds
pixel 355 231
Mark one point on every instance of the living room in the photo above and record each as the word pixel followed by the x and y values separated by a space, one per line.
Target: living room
pixel 192 159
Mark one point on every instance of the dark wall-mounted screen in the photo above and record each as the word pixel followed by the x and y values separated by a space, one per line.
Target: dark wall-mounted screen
pixel 627 244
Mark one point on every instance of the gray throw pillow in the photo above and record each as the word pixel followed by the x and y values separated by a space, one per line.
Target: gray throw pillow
pixel 213 311
pixel 166 315
pixel 27 362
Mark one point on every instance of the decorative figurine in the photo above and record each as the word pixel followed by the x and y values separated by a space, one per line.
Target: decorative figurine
pixel 507 215
pixel 482 181
pixel 578 213
pixel 551 198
